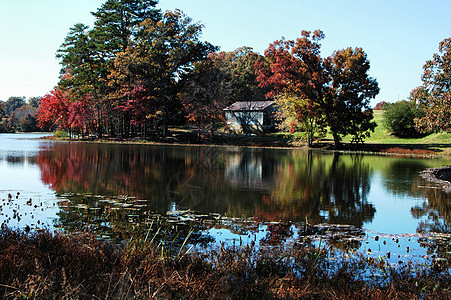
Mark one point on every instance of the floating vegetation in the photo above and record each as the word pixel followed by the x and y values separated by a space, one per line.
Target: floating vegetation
pixel 118 219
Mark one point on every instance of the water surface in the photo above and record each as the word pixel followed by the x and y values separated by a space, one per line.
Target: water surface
pixel 118 186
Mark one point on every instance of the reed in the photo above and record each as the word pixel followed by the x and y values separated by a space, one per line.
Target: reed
pixel 48 265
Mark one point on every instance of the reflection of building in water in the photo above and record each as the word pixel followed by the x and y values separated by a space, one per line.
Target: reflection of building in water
pixel 248 170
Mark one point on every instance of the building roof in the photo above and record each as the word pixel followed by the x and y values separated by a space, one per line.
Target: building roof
pixel 249 105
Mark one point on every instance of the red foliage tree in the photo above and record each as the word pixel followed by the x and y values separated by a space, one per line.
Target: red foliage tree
pixel 337 87
pixel 380 106
pixel 54 110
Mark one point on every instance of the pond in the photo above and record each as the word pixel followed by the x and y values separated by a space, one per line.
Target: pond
pixel 377 204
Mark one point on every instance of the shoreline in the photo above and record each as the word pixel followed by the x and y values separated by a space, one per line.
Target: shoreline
pixel 254 142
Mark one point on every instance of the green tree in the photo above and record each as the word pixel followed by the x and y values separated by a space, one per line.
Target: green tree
pixel 296 115
pixel 34 101
pixel 435 93
pixel 400 117
pixel 350 90
pixel 27 118
pixel 83 69
pixel 115 26
pixel 116 21
pixel 29 123
pixel 240 67
pixel 86 56
pixel 12 104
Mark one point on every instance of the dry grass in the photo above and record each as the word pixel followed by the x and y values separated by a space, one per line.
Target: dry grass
pixel 54 266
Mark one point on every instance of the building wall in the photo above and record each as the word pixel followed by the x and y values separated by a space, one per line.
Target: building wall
pixel 244 117
pixel 245 121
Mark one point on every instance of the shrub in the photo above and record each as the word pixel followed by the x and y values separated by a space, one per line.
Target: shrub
pixel 400 117
pixel 61 134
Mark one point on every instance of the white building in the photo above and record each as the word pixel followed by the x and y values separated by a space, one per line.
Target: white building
pixel 251 116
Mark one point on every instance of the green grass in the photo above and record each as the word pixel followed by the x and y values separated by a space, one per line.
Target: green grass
pixel 382 135
pixel 440 143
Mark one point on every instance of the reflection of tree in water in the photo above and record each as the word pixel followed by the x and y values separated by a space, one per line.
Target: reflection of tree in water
pixel 315 188
pixel 169 177
pixel 435 209
pixel 130 182
pixel 398 176
pixel 434 214
pixel 116 188
pixel 347 188
pixel 111 170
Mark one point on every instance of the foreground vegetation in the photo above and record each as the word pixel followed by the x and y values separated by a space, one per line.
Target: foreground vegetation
pixel 55 266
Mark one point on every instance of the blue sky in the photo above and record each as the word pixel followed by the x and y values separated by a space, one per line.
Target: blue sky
pixel 397 35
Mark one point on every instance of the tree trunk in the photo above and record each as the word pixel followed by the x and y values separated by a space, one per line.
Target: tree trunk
pixel 337 143
pixel 164 125
pixel 309 139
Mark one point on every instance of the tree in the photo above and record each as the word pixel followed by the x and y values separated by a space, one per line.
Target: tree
pixel 337 88
pixel 296 114
pixel 2 110
pixel 3 125
pixel 239 65
pixel 13 123
pixel 146 74
pixel 205 92
pixel 116 21
pixel 26 116
pixel 29 123
pixel 115 26
pixel 400 117
pixel 34 101
pixel 380 105
pixel 54 110
pixel 349 93
pixel 84 69
pixel 435 93
pixel 87 54
pixel 12 104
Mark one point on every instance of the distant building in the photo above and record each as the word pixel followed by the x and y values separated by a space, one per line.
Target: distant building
pixel 251 116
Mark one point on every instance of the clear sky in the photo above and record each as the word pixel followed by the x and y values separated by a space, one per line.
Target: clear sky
pixel 397 35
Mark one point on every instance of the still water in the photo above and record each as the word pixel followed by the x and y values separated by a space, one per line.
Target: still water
pixel 116 187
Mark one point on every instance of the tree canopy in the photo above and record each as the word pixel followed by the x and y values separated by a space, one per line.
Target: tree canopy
pixel 219 80
pixel 334 91
pixel 19 114
pixel 139 68
pixel 123 74
pixel 145 76
pixel 435 93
